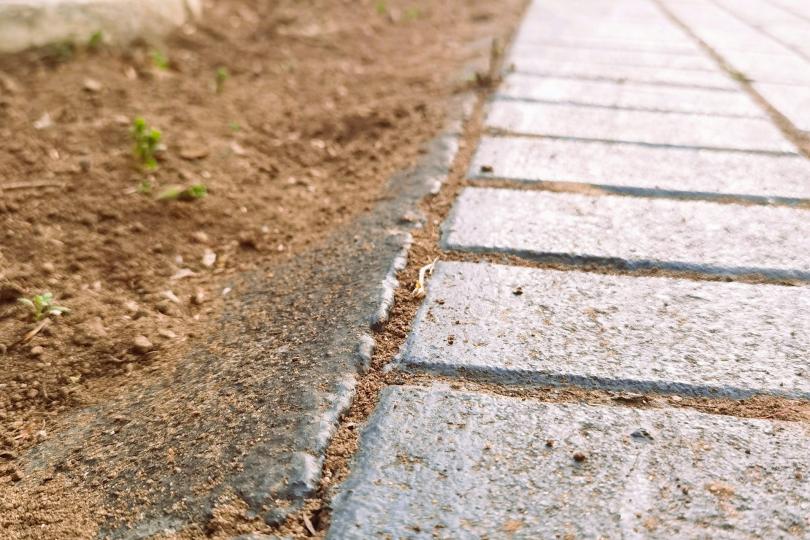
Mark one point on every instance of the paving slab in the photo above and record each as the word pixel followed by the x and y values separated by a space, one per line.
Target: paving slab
pixel 643 74
pixel 626 43
pixel 527 51
pixel 674 129
pixel 791 100
pixel 434 463
pixel 612 332
pixel 633 232
pixel 628 95
pixel 648 170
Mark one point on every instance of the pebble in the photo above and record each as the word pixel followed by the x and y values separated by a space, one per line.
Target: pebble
pixel 48 268
pixel 92 85
pixel 199 237
pixel 37 350
pixel 168 334
pixel 141 345
pixel 199 297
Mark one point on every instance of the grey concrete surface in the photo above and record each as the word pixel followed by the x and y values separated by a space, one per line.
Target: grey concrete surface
pixel 528 51
pixel 562 120
pixel 629 95
pixel 614 332
pixel 640 74
pixel 441 464
pixel 793 101
pixel 633 232
pixel 636 168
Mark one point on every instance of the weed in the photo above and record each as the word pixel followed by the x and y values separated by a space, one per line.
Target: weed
pixel 147 141
pixel 177 193
pixel 220 77
pixel 42 306
pixel 159 59
pixel 144 187
pixel 234 126
pixel 413 13
pixel 96 40
pixel 381 7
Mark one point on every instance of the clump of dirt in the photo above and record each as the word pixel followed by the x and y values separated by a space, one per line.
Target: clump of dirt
pixel 291 114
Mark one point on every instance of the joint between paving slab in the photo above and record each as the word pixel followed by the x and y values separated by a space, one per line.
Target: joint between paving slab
pixel 532 378
pixel 575 103
pixel 498 132
pixel 576 261
pixel 619 80
pixel 479 179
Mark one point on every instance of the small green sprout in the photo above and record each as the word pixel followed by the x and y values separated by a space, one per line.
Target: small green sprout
pixel 177 193
pixel 381 7
pixel 42 306
pixel 144 187
pixel 234 126
pixel 159 59
pixel 96 39
pixel 147 141
pixel 220 77
pixel 413 13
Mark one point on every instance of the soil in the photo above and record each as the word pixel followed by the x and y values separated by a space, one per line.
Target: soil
pixel 323 101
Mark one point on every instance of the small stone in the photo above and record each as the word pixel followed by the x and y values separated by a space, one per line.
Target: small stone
pixel 16 475
pixel 248 241
pixel 200 237
pixel 209 258
pixel 48 268
pixel 37 350
pixel 141 345
pixel 168 334
pixel 181 274
pixel 95 328
pixel 91 85
pixel 32 393
pixel 199 297
pixel 486 168
pixel 518 291
pixel 132 306
pixel 579 457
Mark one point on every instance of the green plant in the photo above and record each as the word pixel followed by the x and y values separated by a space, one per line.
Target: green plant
pixel 220 77
pixel 413 13
pixel 381 7
pixel 159 59
pixel 144 187
pixel 234 126
pixel 42 306
pixel 147 141
pixel 96 39
pixel 190 193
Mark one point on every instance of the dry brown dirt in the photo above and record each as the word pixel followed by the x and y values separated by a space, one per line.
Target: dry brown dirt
pixel 323 101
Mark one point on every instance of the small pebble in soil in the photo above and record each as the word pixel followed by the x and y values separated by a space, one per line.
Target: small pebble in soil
pixel 48 267
pixel 518 291
pixel 199 297
pixel 579 457
pixel 37 350
pixel 486 168
pixel 141 345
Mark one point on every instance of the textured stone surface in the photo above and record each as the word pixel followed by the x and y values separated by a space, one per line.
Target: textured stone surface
pixel 619 73
pixel 637 126
pixel 791 100
pixel 638 167
pixel 615 332
pixel 625 43
pixel 703 236
pixel 31 23
pixel 630 95
pixel 527 51
pixel 441 464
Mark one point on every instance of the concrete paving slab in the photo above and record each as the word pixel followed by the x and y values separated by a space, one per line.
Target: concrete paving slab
pixel 680 172
pixel 586 41
pixel 633 232
pixel 439 464
pixel 528 51
pixel 629 95
pixel 791 100
pixel 561 120
pixel 618 73
pixel 527 325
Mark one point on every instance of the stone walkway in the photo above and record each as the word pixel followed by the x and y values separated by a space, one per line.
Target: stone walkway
pixel 626 98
